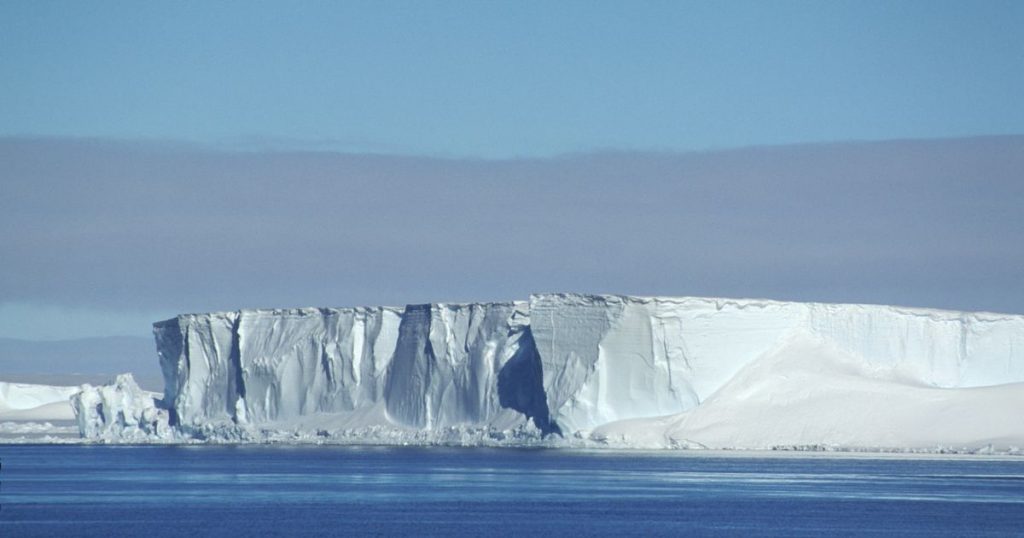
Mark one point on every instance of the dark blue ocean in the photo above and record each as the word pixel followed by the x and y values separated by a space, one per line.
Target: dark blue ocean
pixel 154 491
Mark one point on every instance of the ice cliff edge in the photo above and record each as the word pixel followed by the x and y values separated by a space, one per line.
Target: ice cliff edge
pixel 615 369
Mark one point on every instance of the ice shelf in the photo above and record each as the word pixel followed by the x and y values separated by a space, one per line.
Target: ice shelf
pixel 573 368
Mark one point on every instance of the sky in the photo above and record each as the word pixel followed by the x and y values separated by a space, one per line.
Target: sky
pixel 507 79
pixel 158 158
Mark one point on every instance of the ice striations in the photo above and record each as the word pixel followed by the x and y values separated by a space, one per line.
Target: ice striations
pixel 424 367
pixel 570 368
pixel 119 411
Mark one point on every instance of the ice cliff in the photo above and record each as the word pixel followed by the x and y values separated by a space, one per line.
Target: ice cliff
pixel 560 366
pixel 423 367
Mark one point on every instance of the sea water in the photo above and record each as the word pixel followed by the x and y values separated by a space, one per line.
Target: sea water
pixel 149 491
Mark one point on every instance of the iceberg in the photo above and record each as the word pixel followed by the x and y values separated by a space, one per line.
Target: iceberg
pixel 34 402
pixel 583 370
pixel 119 411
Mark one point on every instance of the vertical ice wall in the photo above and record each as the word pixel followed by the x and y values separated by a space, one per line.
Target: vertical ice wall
pixel 301 362
pixel 568 362
pixel 425 366
pixel 266 365
pixel 194 352
pixel 446 364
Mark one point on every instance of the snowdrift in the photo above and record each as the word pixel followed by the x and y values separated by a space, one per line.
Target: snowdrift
pixel 32 402
pixel 810 394
pixel 572 369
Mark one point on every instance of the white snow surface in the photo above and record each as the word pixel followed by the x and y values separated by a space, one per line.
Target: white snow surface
pixel 622 371
pixel 32 402
pixel 809 393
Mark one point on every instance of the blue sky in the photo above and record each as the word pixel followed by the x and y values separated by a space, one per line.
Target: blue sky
pixel 157 158
pixel 501 79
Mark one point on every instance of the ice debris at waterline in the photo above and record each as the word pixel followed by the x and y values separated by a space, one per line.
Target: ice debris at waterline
pixel 121 410
pixel 568 369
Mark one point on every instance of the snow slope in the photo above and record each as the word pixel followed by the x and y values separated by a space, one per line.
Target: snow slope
pixel 811 393
pixel 630 371
pixel 609 358
pixel 29 402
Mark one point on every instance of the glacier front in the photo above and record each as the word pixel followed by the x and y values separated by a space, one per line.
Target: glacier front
pixel 590 370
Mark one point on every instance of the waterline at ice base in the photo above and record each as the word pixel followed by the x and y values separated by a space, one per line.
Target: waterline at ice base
pixel 582 371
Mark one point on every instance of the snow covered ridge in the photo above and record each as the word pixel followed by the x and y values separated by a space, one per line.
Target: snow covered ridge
pixel 623 371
